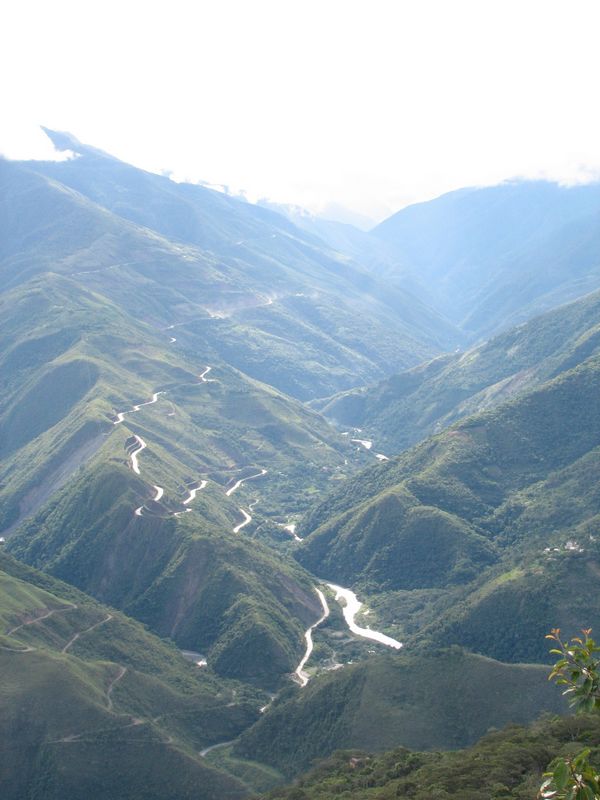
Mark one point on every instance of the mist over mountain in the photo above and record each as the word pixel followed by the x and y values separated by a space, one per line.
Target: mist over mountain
pixel 272 485
pixel 490 258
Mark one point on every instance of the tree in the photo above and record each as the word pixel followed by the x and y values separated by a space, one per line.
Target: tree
pixel 578 669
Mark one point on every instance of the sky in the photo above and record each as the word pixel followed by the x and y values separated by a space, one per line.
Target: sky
pixel 363 105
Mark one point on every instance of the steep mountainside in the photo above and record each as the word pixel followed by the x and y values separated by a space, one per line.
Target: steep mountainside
pixel 491 258
pixel 111 436
pixel 91 702
pixel 404 409
pixel 443 701
pixel 507 764
pixel 501 505
pixel 209 589
pixel 240 282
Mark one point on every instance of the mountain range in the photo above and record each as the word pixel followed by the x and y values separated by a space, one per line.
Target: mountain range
pixel 215 417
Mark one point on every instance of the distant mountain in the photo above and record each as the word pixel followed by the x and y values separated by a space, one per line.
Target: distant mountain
pixel 402 410
pixel 491 258
pixel 267 297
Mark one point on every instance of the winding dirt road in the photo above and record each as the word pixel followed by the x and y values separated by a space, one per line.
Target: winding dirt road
pixel 193 492
pixel 133 455
pixel 237 485
pixel 245 521
pixel 87 630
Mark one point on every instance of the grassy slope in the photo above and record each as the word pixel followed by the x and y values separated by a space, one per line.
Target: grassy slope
pixel 69 474
pixel 308 330
pixel 208 589
pixel 82 358
pixel 119 711
pixel 474 473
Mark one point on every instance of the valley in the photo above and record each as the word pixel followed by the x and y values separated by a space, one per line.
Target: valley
pixel 271 490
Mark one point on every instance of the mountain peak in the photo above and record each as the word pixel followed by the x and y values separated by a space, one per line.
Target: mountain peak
pixel 64 141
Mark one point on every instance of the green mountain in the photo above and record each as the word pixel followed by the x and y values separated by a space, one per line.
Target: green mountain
pixel 504 765
pixel 160 344
pixel 491 258
pixel 73 360
pixel 445 700
pixel 240 282
pixel 491 522
pixel 205 587
pixel 95 705
pixel 404 409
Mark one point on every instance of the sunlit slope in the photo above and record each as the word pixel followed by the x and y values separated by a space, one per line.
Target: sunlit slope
pixel 405 408
pixel 443 701
pixel 94 705
pixel 85 389
pixel 205 587
pixel 280 308
pixel 72 360
pixel 471 472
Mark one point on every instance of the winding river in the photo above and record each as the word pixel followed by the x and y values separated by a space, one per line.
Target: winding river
pixel 350 610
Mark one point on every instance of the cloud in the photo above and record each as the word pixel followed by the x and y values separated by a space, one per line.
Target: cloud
pixel 22 140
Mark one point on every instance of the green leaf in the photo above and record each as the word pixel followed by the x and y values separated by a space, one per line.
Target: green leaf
pixel 560 775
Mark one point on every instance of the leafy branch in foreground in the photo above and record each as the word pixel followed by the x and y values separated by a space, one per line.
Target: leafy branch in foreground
pixel 578 669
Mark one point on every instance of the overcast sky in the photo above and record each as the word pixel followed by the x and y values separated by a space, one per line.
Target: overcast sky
pixel 369 104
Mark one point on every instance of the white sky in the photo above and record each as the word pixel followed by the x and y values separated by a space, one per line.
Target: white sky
pixel 370 104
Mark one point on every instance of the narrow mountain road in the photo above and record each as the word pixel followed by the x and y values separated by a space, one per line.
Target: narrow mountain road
pixel 194 491
pixel 35 620
pixel 208 750
pixel 87 630
pixel 300 675
pixel 245 521
pixel 140 444
pixel 203 377
pixel 119 676
pixel 121 414
pixel 237 485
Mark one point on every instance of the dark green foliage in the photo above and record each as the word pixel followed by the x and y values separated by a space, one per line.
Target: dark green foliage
pixel 505 765
pixel 442 700
pixel 477 474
